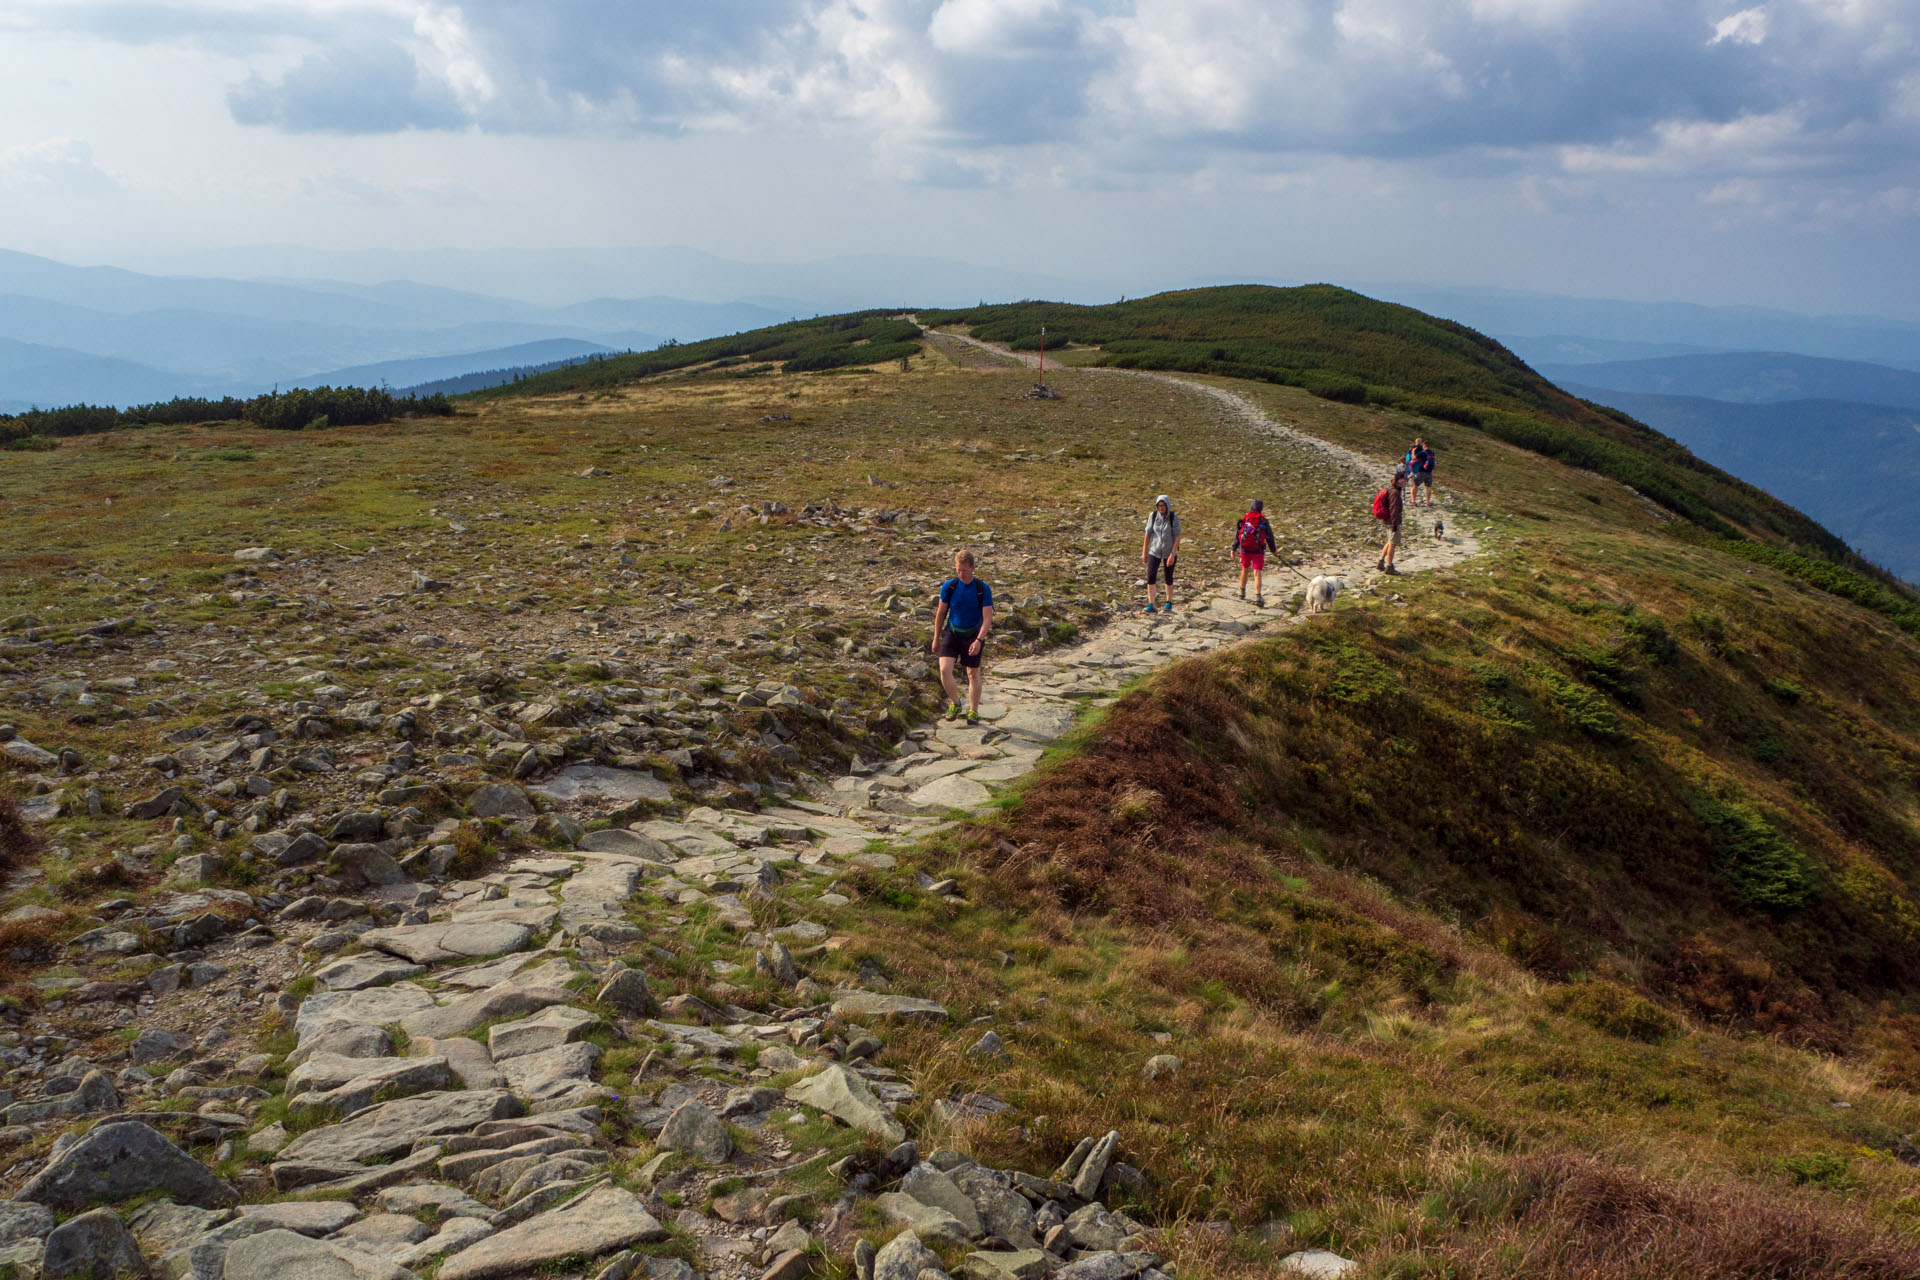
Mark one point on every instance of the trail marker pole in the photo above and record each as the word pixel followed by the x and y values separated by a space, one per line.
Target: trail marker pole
pixel 1043 356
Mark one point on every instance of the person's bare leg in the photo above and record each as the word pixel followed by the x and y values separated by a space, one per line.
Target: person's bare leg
pixel 976 679
pixel 946 682
pixel 1243 579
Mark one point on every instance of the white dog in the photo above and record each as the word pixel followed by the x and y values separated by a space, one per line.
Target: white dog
pixel 1321 591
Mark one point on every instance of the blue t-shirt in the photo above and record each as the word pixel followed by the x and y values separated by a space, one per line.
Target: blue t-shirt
pixel 965 601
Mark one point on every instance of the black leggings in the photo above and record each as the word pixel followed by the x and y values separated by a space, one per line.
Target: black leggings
pixel 1156 566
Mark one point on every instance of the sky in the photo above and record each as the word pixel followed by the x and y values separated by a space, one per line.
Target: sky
pixel 1711 151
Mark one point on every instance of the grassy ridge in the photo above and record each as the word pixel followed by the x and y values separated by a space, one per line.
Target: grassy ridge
pixel 1342 346
pixel 800 346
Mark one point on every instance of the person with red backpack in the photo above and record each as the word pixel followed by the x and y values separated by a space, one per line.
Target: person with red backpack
pixel 1252 539
pixel 1389 506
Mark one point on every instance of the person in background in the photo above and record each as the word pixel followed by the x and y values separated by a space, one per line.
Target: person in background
pixel 1160 547
pixel 961 622
pixel 1252 539
pixel 1420 460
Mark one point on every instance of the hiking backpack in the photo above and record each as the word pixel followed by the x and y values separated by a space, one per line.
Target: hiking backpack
pixel 1383 504
pixel 1249 538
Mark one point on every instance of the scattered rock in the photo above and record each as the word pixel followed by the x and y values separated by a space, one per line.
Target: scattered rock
pixel 500 800
pixel 627 991
pixel 847 1097
pixel 1318 1264
pixel 92 1246
pixel 904 1258
pixel 696 1132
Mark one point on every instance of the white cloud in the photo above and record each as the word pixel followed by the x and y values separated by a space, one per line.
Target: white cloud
pixel 62 165
pixel 1749 26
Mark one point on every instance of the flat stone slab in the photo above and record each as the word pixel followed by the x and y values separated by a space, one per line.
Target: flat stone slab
pixel 954 792
pixel 938 769
pixel 633 844
pixel 308 1217
pixel 356 973
pixel 288 1255
pixel 468 1012
pixel 367 1078
pixel 692 842
pixel 598 782
pixel 605 1219
pixel 374 1007
pixel 450 940
pixel 391 1128
pixel 1038 723
pixel 1001 771
pixel 548 1029
pixel 853 1006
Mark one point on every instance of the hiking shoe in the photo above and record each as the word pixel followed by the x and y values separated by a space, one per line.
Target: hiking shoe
pixel 973 717
pixel 1381 564
pixel 1395 572
pixel 1167 607
pixel 953 711
pixel 1259 602
pixel 1243 593
pixel 1149 606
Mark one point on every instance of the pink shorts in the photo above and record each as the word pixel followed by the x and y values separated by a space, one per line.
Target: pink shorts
pixel 1253 560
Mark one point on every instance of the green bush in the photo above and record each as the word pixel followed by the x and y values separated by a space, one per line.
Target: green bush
pixel 1763 869
pixel 1609 1007
pixel 1583 707
pixel 1818 1169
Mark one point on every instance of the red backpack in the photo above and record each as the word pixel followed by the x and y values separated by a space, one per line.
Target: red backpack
pixel 1383 504
pixel 1250 538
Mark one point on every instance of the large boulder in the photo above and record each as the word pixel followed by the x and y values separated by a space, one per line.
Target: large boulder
pixel 119 1161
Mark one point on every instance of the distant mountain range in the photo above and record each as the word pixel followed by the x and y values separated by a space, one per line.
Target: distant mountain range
pixel 1749 377
pixel 1853 467
pixel 1840 439
pixel 109 336
pixel 429 372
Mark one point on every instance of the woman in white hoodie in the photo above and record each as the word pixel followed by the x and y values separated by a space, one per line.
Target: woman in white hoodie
pixel 1160 547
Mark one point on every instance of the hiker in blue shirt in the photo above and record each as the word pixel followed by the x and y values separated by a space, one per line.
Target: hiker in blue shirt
pixel 1420 466
pixel 960 624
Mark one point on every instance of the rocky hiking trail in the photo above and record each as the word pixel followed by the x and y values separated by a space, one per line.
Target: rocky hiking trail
pixel 480 1079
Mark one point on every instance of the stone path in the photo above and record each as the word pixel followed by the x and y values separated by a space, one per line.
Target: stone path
pixel 482 1079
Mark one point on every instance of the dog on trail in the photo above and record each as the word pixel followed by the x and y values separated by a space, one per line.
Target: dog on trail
pixel 1439 528
pixel 1322 590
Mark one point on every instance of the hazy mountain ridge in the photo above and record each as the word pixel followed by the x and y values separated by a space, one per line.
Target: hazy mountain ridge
pixel 107 335
pixel 1850 466
pixel 1749 377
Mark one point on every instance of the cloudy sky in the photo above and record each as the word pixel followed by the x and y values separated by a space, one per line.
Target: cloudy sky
pixel 1708 150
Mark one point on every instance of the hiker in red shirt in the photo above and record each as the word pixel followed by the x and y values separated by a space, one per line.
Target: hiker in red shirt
pixel 1252 539
pixel 1389 506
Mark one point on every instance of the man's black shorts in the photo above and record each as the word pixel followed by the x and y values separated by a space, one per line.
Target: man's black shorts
pixel 954 644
